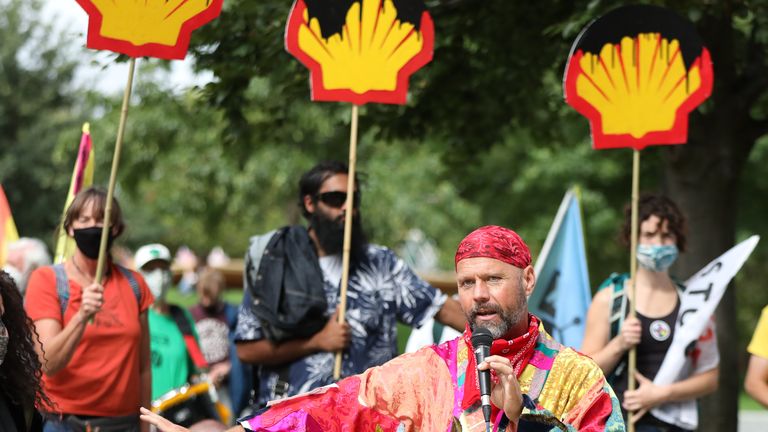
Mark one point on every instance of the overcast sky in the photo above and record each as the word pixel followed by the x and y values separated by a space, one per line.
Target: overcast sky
pixel 97 67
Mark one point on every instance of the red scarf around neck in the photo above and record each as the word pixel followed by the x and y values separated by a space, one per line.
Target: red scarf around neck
pixel 518 350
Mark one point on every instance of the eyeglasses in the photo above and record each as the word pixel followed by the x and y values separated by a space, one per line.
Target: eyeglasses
pixel 337 199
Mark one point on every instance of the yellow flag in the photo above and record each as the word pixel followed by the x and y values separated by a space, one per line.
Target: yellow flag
pixel 8 233
pixel 82 177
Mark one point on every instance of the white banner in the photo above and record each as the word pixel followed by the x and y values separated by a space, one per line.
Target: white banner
pixel 703 292
pixel 697 304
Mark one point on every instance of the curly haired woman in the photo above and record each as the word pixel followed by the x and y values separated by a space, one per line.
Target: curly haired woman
pixel 20 372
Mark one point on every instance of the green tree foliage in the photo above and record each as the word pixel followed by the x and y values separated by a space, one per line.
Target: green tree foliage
pixel 36 101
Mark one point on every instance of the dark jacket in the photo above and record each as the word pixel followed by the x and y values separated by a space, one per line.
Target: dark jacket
pixel 287 290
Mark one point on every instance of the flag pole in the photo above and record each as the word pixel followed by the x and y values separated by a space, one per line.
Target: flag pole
pixel 347 231
pixel 113 173
pixel 632 360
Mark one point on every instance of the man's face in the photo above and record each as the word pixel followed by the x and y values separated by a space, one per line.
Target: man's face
pixel 328 211
pixel 493 295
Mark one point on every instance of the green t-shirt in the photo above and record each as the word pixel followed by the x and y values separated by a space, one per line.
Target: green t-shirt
pixel 171 366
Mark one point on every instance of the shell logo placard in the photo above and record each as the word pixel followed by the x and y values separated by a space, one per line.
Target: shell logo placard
pixel 636 74
pixel 360 51
pixel 152 28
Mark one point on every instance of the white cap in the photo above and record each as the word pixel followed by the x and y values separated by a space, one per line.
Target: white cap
pixel 151 252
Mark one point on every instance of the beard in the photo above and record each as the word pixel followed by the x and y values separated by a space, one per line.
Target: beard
pixel 506 319
pixel 330 234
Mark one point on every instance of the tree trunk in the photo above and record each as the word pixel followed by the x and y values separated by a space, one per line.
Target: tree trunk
pixel 703 177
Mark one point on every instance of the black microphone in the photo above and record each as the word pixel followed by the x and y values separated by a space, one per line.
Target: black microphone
pixel 481 342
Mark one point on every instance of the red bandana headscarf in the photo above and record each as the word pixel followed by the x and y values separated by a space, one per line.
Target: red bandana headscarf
pixel 492 241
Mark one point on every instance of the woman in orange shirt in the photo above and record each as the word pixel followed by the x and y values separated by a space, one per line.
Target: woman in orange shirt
pixel 94 336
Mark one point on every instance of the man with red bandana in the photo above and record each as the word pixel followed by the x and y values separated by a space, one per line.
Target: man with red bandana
pixel 537 384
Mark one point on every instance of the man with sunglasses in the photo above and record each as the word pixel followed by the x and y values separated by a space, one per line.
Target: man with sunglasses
pixel 381 290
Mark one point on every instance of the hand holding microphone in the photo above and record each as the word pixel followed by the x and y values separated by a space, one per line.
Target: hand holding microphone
pixel 506 394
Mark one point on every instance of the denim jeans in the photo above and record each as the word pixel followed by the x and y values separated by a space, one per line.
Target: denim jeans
pixel 55 425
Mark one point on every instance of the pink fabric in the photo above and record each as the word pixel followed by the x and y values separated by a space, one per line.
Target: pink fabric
pixel 541 361
pixel 495 242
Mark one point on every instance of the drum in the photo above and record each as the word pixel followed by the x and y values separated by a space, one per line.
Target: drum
pixel 190 404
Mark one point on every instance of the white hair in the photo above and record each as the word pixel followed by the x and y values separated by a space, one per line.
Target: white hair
pixel 34 253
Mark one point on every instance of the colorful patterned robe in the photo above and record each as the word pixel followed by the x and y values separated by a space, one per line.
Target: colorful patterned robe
pixel 423 391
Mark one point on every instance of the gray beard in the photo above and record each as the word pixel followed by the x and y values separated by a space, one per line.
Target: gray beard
pixel 509 319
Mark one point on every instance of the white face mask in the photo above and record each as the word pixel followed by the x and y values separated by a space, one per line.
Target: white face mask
pixel 158 281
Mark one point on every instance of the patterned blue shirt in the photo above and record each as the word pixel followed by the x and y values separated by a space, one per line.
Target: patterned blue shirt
pixel 381 290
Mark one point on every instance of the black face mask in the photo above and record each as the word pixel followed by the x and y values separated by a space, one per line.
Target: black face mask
pixel 89 239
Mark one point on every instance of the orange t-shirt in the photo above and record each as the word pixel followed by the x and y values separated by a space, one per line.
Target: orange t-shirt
pixel 102 378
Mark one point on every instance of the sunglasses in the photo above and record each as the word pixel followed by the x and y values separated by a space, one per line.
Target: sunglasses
pixel 337 199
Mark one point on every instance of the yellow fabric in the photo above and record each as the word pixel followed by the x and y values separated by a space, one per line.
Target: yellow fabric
pixel 759 344
pixel 572 376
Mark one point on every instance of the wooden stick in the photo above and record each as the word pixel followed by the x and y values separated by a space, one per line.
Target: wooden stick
pixel 632 361
pixel 350 205
pixel 113 173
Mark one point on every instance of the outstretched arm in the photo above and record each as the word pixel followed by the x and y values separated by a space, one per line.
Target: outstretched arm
pixel 756 381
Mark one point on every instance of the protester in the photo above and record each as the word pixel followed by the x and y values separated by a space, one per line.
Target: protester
pixel 610 333
pixel 294 346
pixel 177 359
pixel 756 381
pixel 24 256
pixel 94 336
pixel 186 261
pixel 172 365
pixel 20 374
pixel 537 384
pixel 215 321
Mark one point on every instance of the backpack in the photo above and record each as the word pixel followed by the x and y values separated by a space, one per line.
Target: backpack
pixel 62 285
pixel 283 277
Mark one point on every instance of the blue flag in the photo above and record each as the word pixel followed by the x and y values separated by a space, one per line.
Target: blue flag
pixel 562 295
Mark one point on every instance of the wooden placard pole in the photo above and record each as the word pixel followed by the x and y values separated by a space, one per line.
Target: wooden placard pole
pixel 350 205
pixel 632 360
pixel 113 173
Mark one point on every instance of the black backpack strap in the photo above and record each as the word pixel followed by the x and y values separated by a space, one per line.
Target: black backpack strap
pixel 62 285
pixel 185 327
pixel 62 288
pixel 132 281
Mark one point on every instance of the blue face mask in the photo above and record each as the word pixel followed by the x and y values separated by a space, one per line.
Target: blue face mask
pixel 656 258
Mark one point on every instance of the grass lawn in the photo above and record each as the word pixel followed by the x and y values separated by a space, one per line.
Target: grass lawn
pixel 746 403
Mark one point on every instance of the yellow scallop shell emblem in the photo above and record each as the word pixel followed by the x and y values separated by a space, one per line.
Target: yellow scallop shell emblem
pixel 636 74
pixel 156 28
pixel 370 57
